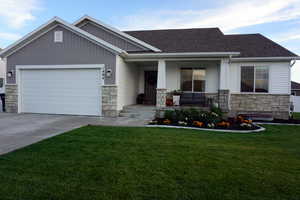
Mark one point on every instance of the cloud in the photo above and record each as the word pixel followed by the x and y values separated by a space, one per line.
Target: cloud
pixel 16 13
pixel 9 36
pixel 288 36
pixel 236 14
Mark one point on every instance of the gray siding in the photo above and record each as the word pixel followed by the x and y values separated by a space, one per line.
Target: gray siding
pixel 74 50
pixel 111 37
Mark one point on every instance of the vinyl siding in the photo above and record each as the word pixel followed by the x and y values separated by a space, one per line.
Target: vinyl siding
pixel 111 37
pixel 279 76
pixel 127 82
pixel 73 50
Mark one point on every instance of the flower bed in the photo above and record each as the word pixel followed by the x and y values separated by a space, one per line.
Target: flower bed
pixel 212 119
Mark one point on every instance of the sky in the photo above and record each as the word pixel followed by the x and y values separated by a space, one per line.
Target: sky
pixel 279 20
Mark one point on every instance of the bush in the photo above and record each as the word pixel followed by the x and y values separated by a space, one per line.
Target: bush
pixel 217 110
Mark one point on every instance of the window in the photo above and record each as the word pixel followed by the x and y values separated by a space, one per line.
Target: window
pixel 58 36
pixel 193 80
pixel 254 79
pixel 1 82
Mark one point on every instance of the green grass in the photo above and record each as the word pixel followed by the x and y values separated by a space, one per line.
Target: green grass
pixel 296 115
pixel 155 163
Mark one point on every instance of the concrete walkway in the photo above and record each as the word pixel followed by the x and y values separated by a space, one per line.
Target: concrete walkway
pixel 19 130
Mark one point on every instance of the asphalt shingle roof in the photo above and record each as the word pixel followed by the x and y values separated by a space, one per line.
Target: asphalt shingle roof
pixel 211 40
pixel 295 86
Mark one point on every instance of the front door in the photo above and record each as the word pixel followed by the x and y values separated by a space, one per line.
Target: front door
pixel 150 87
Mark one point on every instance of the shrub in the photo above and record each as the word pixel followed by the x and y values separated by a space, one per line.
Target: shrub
pixel 217 110
pixel 169 114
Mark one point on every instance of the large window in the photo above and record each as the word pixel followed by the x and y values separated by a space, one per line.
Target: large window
pixel 254 79
pixel 193 80
pixel 1 82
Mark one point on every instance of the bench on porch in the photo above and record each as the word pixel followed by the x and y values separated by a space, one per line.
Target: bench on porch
pixel 199 99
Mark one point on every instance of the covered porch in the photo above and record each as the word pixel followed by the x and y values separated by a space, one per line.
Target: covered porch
pixel 199 82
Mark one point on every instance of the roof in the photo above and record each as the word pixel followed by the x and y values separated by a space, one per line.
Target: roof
pixel 295 86
pixel 121 33
pixel 211 40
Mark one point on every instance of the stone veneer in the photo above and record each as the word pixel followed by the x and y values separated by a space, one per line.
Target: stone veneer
pixel 224 98
pixel 275 104
pixel 161 96
pixel 11 98
pixel 109 101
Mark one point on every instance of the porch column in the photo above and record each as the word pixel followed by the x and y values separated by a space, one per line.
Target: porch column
pixel 224 92
pixel 224 74
pixel 161 91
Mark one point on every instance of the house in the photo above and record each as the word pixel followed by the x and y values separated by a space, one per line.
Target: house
pixel 295 88
pixel 90 68
pixel 2 75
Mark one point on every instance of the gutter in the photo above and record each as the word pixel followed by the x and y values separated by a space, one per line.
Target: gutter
pixel 181 55
pixel 265 59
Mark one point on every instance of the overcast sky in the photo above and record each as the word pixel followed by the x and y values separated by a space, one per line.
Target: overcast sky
pixel 277 19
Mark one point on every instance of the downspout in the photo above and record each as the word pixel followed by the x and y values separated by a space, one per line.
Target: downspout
pixel 293 62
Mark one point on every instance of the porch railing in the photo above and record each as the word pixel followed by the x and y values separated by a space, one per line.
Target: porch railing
pixel 196 99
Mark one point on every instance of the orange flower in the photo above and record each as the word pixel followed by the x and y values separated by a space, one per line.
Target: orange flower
pixel 223 124
pixel 198 124
pixel 167 122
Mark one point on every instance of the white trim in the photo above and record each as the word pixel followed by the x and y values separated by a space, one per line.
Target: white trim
pixel 113 33
pixel 75 29
pixel 259 93
pixel 77 66
pixel 169 59
pixel 19 68
pixel 184 54
pixel 116 31
pixel 265 58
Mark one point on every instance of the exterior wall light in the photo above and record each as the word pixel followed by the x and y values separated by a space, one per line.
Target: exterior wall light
pixel 108 73
pixel 10 74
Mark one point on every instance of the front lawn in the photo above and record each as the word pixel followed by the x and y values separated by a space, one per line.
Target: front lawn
pixel 296 115
pixel 155 163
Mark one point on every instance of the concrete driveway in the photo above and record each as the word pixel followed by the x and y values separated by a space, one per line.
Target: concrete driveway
pixel 19 130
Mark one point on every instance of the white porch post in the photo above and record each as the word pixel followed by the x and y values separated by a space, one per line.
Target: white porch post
pixel 161 74
pixel 224 92
pixel 161 84
pixel 224 74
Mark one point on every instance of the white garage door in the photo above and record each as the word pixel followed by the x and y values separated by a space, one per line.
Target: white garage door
pixel 60 91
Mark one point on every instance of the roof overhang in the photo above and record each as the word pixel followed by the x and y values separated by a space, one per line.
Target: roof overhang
pixel 180 55
pixel 11 49
pixel 267 59
pixel 121 33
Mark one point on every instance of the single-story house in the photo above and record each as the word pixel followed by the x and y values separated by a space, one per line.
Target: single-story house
pixel 91 68
pixel 295 88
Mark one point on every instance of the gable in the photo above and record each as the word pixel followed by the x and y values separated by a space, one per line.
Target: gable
pixel 47 27
pixel 110 36
pixel 73 50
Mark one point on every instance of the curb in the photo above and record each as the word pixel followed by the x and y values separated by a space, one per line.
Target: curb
pixel 212 130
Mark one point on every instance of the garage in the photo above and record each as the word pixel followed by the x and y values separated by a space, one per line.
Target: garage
pixel 71 90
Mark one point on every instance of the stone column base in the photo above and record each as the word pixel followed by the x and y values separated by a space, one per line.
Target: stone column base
pixel 109 101
pixel 161 97
pixel 224 98
pixel 11 98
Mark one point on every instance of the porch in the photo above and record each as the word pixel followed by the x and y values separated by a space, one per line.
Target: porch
pixel 202 82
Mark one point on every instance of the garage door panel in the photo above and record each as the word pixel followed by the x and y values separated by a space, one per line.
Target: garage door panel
pixel 61 91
